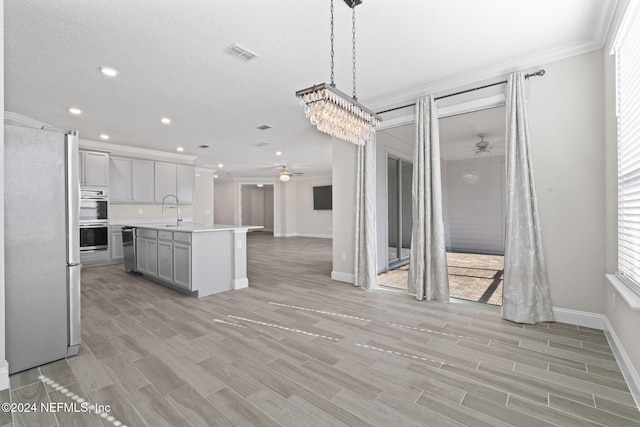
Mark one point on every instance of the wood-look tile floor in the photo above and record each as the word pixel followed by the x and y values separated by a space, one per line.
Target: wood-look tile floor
pixel 298 349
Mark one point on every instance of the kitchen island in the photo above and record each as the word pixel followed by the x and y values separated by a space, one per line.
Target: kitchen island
pixel 198 259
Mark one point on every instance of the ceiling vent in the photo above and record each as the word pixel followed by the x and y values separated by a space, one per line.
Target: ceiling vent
pixel 203 146
pixel 264 127
pixel 241 53
pixel 260 144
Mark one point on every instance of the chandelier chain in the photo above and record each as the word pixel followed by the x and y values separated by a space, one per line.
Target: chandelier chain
pixel 353 33
pixel 333 83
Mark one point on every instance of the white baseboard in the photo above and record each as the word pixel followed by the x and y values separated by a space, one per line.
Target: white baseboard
pixel 241 283
pixel 343 277
pixel 4 375
pixel 601 321
pixel 579 318
pixel 317 236
pixel 628 371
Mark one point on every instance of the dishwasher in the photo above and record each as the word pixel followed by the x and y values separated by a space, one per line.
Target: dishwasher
pixel 129 248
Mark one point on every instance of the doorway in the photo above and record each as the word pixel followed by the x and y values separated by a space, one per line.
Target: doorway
pixel 473 189
pixel 399 179
pixel 473 193
pixel 256 205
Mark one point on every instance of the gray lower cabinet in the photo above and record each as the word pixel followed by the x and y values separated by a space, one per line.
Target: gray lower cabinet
pixel 182 265
pixel 116 244
pixel 165 255
pixel 147 252
pixel 165 260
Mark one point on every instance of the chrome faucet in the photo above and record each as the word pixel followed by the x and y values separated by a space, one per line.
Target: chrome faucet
pixel 176 207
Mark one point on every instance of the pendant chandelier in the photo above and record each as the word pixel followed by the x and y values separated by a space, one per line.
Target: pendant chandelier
pixel 334 112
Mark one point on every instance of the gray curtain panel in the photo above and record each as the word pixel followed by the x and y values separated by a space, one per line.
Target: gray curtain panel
pixel 525 297
pixel 366 271
pixel 428 276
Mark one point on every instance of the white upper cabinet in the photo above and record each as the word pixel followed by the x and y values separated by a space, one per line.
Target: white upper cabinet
pixel 165 180
pixel 94 168
pixel 120 180
pixel 142 181
pixel 145 181
pixel 186 183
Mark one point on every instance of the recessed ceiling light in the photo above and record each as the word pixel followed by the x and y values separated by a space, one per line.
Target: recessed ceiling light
pixel 278 153
pixel 165 120
pixel 215 175
pixel 108 71
pixel 220 165
pixel 75 111
pixel 180 149
pixel 104 136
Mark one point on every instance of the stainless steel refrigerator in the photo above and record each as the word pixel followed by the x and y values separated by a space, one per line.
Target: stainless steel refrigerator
pixel 42 254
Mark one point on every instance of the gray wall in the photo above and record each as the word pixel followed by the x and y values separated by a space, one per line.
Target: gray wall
pixel 203 206
pixel 223 212
pixel 566 124
pixel 312 223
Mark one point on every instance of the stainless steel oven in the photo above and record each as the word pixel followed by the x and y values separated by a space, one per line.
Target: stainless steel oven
pixel 94 236
pixel 94 220
pixel 94 205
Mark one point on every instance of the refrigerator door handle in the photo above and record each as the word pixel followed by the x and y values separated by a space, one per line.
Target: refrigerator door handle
pixel 73 197
pixel 73 299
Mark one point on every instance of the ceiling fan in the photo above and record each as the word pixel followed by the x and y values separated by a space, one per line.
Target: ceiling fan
pixel 483 147
pixel 285 175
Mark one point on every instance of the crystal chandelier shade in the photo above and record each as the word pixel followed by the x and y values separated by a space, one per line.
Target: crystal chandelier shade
pixel 334 112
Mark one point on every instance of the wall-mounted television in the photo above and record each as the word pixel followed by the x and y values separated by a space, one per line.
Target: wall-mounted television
pixel 322 198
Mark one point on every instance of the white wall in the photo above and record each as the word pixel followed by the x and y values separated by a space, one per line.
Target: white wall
pixel 4 368
pixel 566 123
pixel 474 213
pixel 224 202
pixel 309 222
pixel 203 208
pixel 289 207
pixel 268 207
pixel 344 195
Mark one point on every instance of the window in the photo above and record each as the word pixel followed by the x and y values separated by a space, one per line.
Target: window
pixel 627 52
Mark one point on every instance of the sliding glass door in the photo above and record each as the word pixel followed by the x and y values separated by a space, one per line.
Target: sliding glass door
pixel 399 179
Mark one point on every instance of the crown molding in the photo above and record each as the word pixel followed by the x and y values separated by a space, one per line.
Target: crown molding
pixel 126 150
pixel 24 120
pixel 495 72
pixel 622 10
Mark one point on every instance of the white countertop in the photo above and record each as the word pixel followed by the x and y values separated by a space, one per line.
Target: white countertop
pixel 194 227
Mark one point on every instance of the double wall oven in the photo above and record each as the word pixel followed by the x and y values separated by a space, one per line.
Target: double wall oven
pixel 94 220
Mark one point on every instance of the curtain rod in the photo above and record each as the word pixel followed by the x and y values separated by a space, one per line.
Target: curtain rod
pixel 526 76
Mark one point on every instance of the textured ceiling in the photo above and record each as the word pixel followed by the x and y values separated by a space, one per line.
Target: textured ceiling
pixel 171 62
